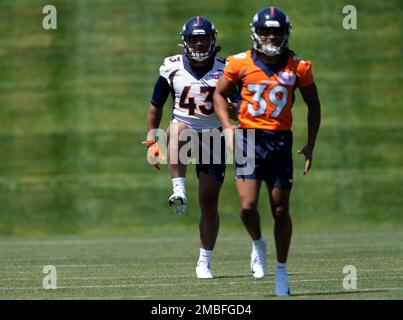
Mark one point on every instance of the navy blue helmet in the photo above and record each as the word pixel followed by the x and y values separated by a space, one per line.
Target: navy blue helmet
pixel 270 18
pixel 199 37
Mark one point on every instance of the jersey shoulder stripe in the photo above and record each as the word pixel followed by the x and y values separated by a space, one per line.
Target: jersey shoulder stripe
pixel 236 65
pixel 170 64
pixel 239 59
pixel 221 61
pixel 302 69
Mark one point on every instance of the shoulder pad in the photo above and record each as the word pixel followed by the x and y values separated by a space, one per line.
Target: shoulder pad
pixel 241 55
pixel 220 60
pixel 170 64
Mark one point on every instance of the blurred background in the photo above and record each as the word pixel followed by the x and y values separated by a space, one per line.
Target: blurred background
pixel 73 103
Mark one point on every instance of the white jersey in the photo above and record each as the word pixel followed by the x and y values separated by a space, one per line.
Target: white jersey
pixel 193 91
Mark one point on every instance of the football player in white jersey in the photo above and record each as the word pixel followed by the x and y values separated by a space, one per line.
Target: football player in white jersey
pixel 190 79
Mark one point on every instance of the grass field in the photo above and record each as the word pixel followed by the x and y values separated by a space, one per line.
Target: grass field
pixel 162 267
pixel 76 190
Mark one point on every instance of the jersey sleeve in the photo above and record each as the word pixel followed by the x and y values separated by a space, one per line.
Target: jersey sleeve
pixel 304 73
pixel 161 92
pixel 231 70
pixel 169 65
pixel 164 70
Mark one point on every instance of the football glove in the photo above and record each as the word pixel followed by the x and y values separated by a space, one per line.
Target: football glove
pixel 153 153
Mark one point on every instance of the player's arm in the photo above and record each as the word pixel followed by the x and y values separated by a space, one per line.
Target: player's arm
pixel 222 93
pixel 155 109
pixel 233 105
pixel 154 116
pixel 311 98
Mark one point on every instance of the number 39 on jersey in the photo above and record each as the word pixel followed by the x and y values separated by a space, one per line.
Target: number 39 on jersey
pixel 267 93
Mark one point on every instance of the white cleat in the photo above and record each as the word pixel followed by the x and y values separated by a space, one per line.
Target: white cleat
pixel 281 284
pixel 178 201
pixel 258 261
pixel 203 270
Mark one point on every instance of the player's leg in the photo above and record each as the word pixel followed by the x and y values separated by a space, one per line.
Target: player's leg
pixel 279 184
pixel 177 167
pixel 279 201
pixel 210 170
pixel 249 176
pixel 209 189
pixel 248 192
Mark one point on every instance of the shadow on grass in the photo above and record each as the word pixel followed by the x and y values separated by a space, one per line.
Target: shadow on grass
pixel 322 293
pixel 234 277
pixel 338 292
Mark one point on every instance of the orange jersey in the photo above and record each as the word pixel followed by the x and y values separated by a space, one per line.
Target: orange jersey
pixel 267 94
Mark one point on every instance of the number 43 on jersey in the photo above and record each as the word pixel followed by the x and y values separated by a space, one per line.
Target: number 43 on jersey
pixel 188 102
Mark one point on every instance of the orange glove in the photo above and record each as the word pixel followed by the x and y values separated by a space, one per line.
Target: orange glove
pixel 153 152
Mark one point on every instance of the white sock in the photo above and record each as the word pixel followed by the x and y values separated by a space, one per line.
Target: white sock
pixel 257 243
pixel 281 267
pixel 205 255
pixel 179 183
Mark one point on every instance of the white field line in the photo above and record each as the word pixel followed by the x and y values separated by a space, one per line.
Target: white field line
pixel 105 265
pixel 218 253
pixel 128 265
pixel 334 270
pixel 36 259
pixel 100 242
pixel 351 259
pixel 292 274
pixel 295 294
pixel 201 283
pixel 315 271
pixel 88 259
pixel 157 239
pixel 104 278
pixel 85 242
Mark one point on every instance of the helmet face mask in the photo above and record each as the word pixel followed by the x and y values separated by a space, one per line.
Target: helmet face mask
pixel 271 41
pixel 199 37
pixel 270 31
pixel 198 47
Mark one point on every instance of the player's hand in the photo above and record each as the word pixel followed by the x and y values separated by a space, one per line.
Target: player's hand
pixel 154 153
pixel 307 151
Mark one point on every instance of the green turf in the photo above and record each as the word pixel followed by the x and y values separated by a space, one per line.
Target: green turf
pixel 72 115
pixel 162 267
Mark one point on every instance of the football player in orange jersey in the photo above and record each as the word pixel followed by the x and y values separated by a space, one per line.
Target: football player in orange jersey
pixel 267 76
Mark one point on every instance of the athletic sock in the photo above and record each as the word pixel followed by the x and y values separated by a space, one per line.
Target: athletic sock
pixel 205 255
pixel 179 183
pixel 282 267
pixel 257 243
